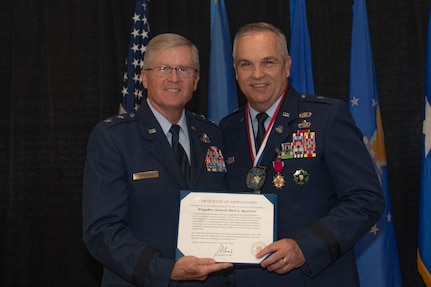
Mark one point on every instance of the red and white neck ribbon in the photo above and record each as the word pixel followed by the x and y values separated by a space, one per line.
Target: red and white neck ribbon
pixel 256 157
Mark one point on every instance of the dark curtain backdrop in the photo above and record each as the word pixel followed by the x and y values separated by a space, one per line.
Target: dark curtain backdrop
pixel 61 73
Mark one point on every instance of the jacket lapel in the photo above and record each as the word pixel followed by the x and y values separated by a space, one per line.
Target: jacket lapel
pixel 199 143
pixel 158 145
pixel 240 139
pixel 281 131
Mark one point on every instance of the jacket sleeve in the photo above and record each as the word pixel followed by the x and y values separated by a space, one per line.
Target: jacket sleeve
pixel 361 201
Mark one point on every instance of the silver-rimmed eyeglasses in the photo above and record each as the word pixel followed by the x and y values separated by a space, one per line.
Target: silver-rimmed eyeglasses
pixel 166 71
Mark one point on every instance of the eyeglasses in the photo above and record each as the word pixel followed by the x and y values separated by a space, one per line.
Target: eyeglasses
pixel 166 71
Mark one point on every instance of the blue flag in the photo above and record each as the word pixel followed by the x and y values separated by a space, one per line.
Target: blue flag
pixel 424 250
pixel 222 94
pixel 133 91
pixel 301 72
pixel 377 253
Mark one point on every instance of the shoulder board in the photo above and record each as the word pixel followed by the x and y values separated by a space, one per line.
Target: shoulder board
pixel 235 112
pixel 202 118
pixel 318 99
pixel 120 119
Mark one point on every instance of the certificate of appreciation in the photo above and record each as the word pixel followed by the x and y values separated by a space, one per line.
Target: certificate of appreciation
pixel 228 227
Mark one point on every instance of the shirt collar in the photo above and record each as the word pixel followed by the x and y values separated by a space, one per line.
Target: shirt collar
pixel 165 124
pixel 270 112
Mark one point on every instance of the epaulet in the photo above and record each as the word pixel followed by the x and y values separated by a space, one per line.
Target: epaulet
pixel 318 99
pixel 113 120
pixel 236 111
pixel 202 118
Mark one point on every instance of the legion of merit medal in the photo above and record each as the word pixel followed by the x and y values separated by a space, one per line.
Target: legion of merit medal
pixel 256 178
pixel 278 180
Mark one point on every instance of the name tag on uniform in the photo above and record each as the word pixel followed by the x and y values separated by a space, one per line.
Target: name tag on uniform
pixel 146 175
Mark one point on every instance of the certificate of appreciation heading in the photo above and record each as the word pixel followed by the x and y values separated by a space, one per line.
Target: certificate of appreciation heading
pixel 229 227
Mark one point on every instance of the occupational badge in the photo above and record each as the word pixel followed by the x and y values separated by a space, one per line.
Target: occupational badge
pixel 205 138
pixel 304 125
pixel 301 176
pixel 305 115
pixel 278 179
pixel 256 178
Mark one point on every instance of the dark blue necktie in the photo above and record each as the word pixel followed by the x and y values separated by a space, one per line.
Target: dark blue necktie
pixel 261 117
pixel 179 152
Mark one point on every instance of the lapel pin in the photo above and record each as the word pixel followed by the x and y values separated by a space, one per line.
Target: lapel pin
pixel 279 129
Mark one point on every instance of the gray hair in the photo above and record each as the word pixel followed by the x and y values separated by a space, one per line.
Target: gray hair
pixel 258 27
pixel 169 40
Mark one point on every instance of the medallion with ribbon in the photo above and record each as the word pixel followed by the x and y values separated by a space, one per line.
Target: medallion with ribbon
pixel 257 173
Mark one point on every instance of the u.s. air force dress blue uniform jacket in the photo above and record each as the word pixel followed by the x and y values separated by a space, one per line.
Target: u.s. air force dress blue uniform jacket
pixel 329 200
pixel 131 196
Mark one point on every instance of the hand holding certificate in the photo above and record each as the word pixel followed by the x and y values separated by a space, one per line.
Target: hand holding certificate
pixel 229 227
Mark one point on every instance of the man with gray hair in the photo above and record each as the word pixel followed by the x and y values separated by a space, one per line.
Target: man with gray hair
pixel 308 151
pixel 136 165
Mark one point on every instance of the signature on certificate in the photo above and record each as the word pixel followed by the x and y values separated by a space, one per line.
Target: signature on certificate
pixel 223 251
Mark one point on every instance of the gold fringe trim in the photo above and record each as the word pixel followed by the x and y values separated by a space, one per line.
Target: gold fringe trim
pixel 423 271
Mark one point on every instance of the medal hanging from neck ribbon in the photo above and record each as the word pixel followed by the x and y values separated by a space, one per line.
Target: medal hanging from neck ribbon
pixel 257 175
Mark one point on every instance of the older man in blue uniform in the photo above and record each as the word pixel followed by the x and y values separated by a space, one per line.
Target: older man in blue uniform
pixel 133 175
pixel 308 151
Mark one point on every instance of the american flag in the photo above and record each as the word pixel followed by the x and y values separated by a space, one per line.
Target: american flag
pixel 133 91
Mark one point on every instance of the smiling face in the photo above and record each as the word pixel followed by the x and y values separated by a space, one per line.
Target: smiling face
pixel 260 69
pixel 169 94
